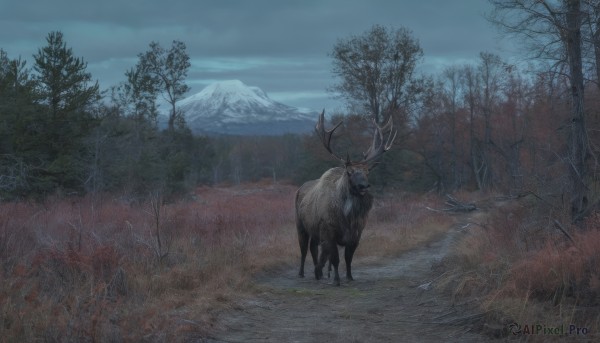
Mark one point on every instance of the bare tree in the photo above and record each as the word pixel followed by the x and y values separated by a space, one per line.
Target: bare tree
pixel 472 95
pixel 451 76
pixel 554 30
pixel 162 240
pixel 490 73
pixel 591 37
pixel 516 116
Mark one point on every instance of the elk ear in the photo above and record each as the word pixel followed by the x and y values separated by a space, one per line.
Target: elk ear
pixel 349 169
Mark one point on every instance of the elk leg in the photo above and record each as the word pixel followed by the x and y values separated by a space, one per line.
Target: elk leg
pixel 325 251
pixel 348 254
pixel 303 241
pixel 329 268
pixel 314 250
pixel 334 259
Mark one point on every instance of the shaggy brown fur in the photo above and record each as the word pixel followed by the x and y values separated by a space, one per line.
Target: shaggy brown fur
pixel 333 211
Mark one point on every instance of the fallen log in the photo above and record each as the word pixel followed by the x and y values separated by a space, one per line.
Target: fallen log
pixel 455 206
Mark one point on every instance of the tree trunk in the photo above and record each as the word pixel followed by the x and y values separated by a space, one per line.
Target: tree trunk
pixel 578 140
pixel 596 40
pixel 172 117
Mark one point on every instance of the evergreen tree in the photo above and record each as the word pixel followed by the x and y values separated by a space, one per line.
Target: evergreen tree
pixel 18 95
pixel 19 120
pixel 63 80
pixel 64 88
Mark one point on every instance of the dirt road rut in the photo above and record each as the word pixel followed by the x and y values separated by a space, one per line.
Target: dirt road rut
pixel 389 301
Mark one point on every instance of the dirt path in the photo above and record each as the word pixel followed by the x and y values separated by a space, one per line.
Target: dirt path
pixel 389 301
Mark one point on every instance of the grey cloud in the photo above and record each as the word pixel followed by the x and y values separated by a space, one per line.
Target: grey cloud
pixel 281 46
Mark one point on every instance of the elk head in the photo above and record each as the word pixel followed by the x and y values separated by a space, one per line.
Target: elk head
pixel 358 171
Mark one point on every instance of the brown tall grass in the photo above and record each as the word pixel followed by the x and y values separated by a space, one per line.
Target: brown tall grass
pixel 103 269
pixel 399 222
pixel 523 265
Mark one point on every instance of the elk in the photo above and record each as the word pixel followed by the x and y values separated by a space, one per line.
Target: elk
pixel 333 209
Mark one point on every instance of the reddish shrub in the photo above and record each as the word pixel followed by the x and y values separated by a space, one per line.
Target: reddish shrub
pixel 560 268
pixel 88 267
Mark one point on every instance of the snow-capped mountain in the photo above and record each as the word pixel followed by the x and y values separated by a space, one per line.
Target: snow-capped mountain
pixel 231 107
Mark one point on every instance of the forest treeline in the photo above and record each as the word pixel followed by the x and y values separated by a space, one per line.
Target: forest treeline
pixel 61 134
pixel 490 125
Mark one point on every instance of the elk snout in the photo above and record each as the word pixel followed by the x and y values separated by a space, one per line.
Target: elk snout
pixel 363 187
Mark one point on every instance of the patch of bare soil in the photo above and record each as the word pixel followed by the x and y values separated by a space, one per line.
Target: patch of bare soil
pixel 389 301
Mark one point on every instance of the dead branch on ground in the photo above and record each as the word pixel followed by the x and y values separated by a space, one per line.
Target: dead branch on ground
pixel 455 206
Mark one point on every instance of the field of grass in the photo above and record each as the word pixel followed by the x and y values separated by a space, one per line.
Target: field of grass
pixel 106 269
pixel 519 263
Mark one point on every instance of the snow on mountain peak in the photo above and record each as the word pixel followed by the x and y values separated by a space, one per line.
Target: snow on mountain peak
pixel 231 107
pixel 230 92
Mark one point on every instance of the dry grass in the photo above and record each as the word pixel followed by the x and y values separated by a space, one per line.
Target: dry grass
pixel 522 266
pixel 92 269
pixel 400 222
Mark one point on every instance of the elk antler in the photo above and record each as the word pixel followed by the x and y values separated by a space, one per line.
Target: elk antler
pixel 325 135
pixel 378 147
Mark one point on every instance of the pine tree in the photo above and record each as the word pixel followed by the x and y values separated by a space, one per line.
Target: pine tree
pixel 18 120
pixel 63 79
pixel 64 88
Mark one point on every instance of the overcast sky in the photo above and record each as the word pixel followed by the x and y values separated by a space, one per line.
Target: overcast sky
pixel 280 46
